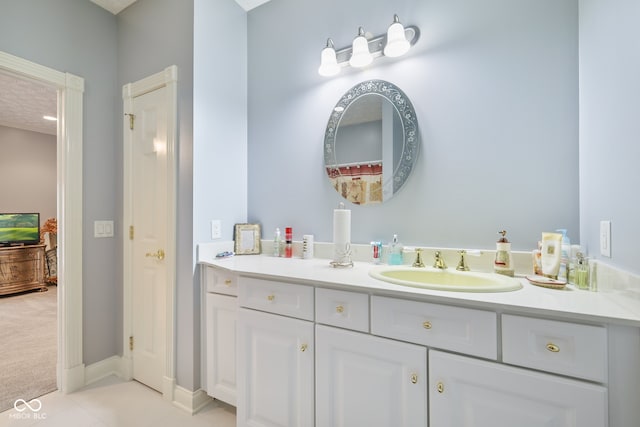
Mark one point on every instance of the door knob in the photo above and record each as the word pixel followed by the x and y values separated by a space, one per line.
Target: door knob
pixel 159 254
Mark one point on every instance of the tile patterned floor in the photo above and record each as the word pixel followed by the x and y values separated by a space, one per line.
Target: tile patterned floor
pixel 112 402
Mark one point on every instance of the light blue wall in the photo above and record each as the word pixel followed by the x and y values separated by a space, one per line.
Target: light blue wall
pixel 219 124
pixel 495 88
pixel 80 37
pixel 220 117
pixel 152 35
pixel 610 127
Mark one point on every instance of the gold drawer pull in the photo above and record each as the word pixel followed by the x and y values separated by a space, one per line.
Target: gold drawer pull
pixel 440 387
pixel 303 348
pixel 426 325
pixel 339 309
pixel 227 282
pixel 414 378
pixel 553 348
pixel 271 297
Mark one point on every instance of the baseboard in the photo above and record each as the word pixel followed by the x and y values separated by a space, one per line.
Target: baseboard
pixel 190 401
pixel 73 378
pixel 104 368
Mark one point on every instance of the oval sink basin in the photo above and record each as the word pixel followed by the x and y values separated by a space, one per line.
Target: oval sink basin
pixel 445 280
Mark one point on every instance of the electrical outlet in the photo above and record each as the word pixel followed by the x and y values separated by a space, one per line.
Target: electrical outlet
pixel 605 238
pixel 216 229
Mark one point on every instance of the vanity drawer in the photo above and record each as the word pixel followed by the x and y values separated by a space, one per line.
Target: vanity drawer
pixel 344 309
pixel 220 281
pixel 287 299
pixel 463 330
pixel 555 346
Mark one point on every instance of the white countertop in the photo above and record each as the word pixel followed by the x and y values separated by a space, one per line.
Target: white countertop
pixel 569 303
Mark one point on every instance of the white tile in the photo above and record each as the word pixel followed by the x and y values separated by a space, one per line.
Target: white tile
pixel 112 402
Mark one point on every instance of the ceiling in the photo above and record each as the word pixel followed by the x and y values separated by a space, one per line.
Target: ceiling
pixel 23 103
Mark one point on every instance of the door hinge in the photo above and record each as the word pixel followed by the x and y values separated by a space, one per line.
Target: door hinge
pixel 131 343
pixel 131 119
pixel 131 232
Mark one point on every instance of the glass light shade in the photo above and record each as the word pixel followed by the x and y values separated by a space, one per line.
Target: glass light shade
pixel 360 56
pixel 328 63
pixel 397 43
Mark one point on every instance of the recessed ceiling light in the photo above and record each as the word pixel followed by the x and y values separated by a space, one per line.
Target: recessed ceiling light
pixel 53 119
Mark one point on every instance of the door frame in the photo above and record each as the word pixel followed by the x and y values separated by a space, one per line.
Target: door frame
pixel 70 371
pixel 167 78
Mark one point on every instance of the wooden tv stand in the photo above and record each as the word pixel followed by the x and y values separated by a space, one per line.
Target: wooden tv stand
pixel 22 269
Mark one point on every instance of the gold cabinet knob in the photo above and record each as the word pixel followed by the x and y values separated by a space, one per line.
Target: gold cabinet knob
pixel 426 325
pixel 414 378
pixel 440 387
pixel 340 309
pixel 158 254
pixel 303 347
pixel 227 282
pixel 271 297
pixel 553 348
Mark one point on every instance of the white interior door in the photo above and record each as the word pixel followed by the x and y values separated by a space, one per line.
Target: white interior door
pixel 149 243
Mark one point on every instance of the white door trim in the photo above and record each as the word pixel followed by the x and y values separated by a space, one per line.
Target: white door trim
pixel 70 366
pixel 169 79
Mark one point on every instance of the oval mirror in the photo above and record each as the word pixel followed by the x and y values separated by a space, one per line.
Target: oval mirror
pixel 371 142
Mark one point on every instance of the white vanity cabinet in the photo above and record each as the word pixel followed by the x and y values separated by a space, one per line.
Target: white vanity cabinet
pixel 468 392
pixel 275 355
pixel 362 380
pixel 221 313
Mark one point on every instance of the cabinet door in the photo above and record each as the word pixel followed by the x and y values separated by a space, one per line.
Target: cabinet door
pixel 275 370
pixel 221 317
pixel 363 380
pixel 466 392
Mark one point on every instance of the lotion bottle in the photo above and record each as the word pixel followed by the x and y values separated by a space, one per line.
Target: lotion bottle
pixel 503 263
pixel 277 243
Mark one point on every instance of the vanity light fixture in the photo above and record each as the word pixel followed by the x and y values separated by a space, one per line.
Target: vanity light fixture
pixel 360 55
pixel 328 63
pixel 396 42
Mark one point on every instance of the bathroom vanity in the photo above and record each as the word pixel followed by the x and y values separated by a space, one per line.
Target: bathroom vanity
pixel 295 342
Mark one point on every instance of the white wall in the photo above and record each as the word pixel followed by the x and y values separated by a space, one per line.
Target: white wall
pixel 495 88
pixel 28 172
pixel 609 127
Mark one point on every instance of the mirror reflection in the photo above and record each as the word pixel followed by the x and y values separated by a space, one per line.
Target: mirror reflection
pixel 371 142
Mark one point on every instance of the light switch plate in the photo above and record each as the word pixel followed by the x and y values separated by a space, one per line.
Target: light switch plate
pixel 102 229
pixel 216 229
pixel 605 238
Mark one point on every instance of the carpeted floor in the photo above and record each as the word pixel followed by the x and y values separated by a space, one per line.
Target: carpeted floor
pixel 28 346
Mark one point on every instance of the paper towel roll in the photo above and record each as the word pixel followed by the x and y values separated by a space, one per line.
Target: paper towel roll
pixel 341 233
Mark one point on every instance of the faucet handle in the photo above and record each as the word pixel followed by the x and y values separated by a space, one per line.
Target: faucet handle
pixel 418 262
pixel 462 264
pixel 439 262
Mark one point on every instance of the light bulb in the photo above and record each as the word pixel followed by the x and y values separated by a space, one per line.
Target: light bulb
pixel 360 56
pixel 328 62
pixel 397 43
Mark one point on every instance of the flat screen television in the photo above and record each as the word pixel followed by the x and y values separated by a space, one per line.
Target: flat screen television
pixel 19 228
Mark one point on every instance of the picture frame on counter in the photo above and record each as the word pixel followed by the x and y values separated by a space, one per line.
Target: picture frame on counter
pixel 247 239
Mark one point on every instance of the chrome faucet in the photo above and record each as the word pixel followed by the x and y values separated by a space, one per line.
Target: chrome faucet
pixel 418 262
pixel 439 261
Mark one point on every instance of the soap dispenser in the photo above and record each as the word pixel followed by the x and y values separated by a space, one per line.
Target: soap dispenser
pixel 395 252
pixel 503 263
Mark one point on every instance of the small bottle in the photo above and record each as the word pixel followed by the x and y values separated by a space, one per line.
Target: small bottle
pixel 503 263
pixel 376 252
pixel 581 273
pixel 563 273
pixel 395 252
pixel 277 243
pixel 288 242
